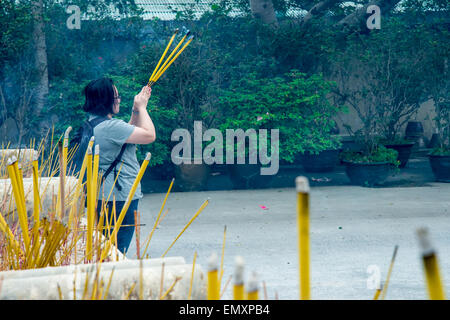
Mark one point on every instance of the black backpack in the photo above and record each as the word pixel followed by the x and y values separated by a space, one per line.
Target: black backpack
pixel 81 139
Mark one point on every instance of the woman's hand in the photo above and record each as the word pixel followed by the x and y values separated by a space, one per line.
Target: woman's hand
pixel 144 131
pixel 141 99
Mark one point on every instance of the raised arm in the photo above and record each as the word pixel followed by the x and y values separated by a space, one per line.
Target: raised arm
pixel 144 132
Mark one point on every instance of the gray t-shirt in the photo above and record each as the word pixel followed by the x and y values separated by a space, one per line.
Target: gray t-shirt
pixel 110 135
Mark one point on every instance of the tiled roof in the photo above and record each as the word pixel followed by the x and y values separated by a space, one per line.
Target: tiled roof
pixel 166 9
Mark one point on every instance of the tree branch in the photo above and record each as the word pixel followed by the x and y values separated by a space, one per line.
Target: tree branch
pixel 318 9
pixel 357 18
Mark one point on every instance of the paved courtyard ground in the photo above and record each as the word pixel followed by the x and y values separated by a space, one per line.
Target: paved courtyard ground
pixel 351 228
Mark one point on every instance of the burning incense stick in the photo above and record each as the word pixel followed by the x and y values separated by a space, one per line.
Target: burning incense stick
pixel 238 286
pixel 302 186
pixel 168 58
pixel 163 55
pixel 431 266
pixel 160 73
pixel 213 281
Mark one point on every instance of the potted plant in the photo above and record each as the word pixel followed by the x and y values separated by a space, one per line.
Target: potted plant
pixel 439 156
pixel 439 88
pixel 403 147
pixel 294 104
pixel 321 155
pixel 396 85
pixel 381 77
pixel 373 163
pixel 370 168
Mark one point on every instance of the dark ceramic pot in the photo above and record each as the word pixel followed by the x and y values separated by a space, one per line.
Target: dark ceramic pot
pixel 248 176
pixel 434 141
pixel 414 129
pixel 440 165
pixel 191 176
pixel 164 171
pixel 324 161
pixel 367 174
pixel 404 152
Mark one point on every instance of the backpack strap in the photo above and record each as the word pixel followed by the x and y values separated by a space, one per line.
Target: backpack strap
pixel 113 166
pixel 94 122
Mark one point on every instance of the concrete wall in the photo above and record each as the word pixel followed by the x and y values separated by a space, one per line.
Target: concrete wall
pixel 425 114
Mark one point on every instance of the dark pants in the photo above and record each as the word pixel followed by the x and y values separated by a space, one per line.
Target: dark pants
pixel 125 233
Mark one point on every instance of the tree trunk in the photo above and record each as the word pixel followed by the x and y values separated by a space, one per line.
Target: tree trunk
pixel 264 11
pixel 40 49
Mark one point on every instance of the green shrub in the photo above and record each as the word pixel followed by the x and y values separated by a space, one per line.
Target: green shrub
pixel 379 154
pixel 296 104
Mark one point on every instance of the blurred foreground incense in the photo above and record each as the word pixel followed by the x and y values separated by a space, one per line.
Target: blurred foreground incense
pixel 43 220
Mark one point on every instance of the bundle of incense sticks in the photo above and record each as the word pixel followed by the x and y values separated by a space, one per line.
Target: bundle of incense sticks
pixel 161 68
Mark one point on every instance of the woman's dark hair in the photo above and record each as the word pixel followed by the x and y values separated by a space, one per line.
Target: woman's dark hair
pixel 99 97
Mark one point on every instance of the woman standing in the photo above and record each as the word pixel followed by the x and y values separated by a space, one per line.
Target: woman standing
pixel 103 101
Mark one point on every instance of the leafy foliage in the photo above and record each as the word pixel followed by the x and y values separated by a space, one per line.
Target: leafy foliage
pixel 380 154
pixel 296 104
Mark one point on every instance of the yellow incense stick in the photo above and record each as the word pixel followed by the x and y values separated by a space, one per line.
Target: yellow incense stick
pixel 90 204
pixel 187 225
pixel 225 286
pixel 19 177
pixel 126 206
pixel 65 150
pixel 252 291
pixel 95 181
pixel 141 280
pixel 20 205
pixel 238 286
pixel 431 267
pixel 163 55
pixel 62 176
pixel 168 58
pixel 157 218
pixel 377 294
pixel 192 276
pixel 161 72
pixel 223 254
pixel 391 266
pixel 213 292
pixel 170 288
pixel 302 187
pixel 36 195
pixel 109 284
pixel 9 235
pixel 80 181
